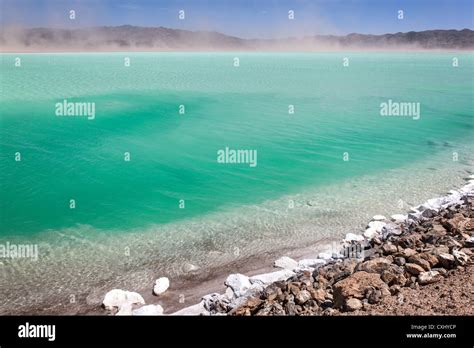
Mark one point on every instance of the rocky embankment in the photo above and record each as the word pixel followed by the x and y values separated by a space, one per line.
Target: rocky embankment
pixel 395 267
pixel 412 253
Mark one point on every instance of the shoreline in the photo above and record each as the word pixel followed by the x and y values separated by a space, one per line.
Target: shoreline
pixel 242 288
pixel 192 286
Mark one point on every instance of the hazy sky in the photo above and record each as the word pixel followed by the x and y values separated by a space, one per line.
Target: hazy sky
pixel 247 18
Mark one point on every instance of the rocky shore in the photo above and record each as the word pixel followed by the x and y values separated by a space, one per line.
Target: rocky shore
pixel 419 263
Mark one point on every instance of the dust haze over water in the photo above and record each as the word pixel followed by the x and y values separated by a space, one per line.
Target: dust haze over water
pixel 84 26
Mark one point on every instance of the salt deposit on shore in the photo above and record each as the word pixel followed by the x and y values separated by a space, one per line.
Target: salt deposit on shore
pixel 381 238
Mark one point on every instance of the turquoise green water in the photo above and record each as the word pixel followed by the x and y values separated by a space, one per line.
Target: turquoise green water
pixel 174 157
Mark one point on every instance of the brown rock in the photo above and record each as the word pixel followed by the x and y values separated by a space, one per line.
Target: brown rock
pixel 280 295
pixel 418 260
pixel 240 311
pixel 467 251
pixel 439 229
pixel 446 260
pixel 461 258
pixel 318 295
pixel 376 265
pixel 414 269
pixel 455 224
pixel 302 297
pixel 388 277
pixel 392 278
pixel 400 261
pixel 407 252
pixel 441 271
pixel 271 292
pixel 340 275
pixel 320 282
pixel 432 259
pixel 409 241
pixel 254 302
pixel 389 248
pixel 353 304
pixel 293 288
pixel 441 249
pixel 395 289
pixel 429 277
pixel 450 242
pixel 356 286
pixel 467 225
pixel 374 296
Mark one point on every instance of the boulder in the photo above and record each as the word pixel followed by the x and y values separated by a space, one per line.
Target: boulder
pixel 374 295
pixel 451 242
pixel 429 277
pixel 461 258
pixel 325 256
pixel 318 294
pixel 189 267
pixel 197 309
pixel 286 262
pixel 418 260
pixel 469 242
pixel 429 213
pixel 432 259
pixel 379 218
pixel 391 229
pixel 413 268
pixel 446 260
pixel 356 286
pixel 161 285
pixel 353 304
pixel 229 293
pixel 411 240
pixel 440 249
pixel 377 225
pixel 239 283
pixel 125 309
pixel 395 289
pixel 400 261
pixel 311 263
pixel 370 233
pixel 376 265
pixel 438 229
pixel 215 303
pixel 389 248
pixel 455 223
pixel 302 297
pixel 148 310
pixel 441 271
pixel 268 278
pixel 393 278
pixel 117 298
pixel 408 252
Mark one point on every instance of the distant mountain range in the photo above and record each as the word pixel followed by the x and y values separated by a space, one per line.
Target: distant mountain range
pixel 133 38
